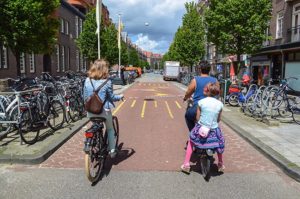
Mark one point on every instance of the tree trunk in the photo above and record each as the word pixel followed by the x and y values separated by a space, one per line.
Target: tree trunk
pixel 238 62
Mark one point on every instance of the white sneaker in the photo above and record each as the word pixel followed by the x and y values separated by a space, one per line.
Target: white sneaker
pixel 113 153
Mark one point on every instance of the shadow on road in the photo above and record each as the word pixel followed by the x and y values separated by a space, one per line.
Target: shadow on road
pixel 196 167
pixel 123 154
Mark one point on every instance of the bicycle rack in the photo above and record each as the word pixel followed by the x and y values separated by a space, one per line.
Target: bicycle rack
pixel 18 97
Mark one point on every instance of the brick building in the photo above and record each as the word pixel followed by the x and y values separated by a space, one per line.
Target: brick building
pixel 66 55
pixel 280 56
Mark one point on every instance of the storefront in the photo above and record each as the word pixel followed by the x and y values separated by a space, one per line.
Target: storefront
pixel 260 69
pixel 292 69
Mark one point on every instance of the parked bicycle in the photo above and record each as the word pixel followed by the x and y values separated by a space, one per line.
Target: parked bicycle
pixel 39 111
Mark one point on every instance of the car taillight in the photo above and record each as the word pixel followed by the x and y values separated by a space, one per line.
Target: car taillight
pixel 89 134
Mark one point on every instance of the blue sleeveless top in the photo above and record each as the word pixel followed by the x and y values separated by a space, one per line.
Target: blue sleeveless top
pixel 200 84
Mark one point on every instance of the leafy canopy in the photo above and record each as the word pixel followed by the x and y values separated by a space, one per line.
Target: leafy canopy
pixel 238 26
pixel 188 44
pixel 28 26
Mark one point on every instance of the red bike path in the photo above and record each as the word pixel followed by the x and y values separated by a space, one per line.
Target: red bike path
pixel 153 134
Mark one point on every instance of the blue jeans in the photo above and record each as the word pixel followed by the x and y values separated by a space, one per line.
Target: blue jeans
pixel 190 117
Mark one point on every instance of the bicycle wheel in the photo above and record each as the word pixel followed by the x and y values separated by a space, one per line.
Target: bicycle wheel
pixel 56 116
pixel 205 164
pixel 233 100
pixel 296 110
pixel 74 110
pixel 94 161
pixel 27 132
pixel 116 128
pixel 267 95
pixel 250 105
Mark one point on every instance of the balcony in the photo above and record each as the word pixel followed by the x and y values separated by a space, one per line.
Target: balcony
pixel 293 34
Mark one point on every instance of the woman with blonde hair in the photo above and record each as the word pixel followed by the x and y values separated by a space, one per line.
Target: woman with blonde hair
pixel 97 75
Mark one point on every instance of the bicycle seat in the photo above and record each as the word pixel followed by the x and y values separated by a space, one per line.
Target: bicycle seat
pixel 97 119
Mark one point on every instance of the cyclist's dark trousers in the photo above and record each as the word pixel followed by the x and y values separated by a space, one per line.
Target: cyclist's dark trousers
pixel 190 116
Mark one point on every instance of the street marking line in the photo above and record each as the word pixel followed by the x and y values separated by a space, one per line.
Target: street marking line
pixel 155 104
pixel 118 108
pixel 161 94
pixel 133 103
pixel 169 110
pixel 143 110
pixel 178 105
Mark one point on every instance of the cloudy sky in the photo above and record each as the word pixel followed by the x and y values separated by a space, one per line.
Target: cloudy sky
pixel 163 16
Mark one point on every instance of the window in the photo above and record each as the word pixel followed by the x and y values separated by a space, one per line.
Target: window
pixel 76 26
pixel 3 57
pixel 81 61
pixel 297 56
pixel 77 61
pixel 31 63
pixel 62 59
pixel 279 26
pixel 68 59
pixel 84 64
pixel 80 25
pixel 62 26
pixel 22 63
pixel 57 58
pixel 67 27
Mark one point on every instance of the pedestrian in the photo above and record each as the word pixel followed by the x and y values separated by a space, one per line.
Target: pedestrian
pixel 122 75
pixel 97 75
pixel 208 116
pixel 196 87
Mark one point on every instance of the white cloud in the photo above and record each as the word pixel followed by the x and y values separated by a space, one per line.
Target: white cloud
pixel 164 18
pixel 145 43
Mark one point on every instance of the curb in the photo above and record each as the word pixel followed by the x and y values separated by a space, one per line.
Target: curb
pixel 47 151
pixel 288 167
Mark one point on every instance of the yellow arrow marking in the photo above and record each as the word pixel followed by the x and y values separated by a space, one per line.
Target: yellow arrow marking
pixel 155 104
pixel 143 110
pixel 169 110
pixel 178 105
pixel 133 103
pixel 118 108
pixel 161 94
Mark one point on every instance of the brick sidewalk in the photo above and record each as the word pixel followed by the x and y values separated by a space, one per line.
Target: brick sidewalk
pixel 280 143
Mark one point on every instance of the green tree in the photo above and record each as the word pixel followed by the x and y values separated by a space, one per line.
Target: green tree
pixel 88 41
pixel 124 54
pixel 28 26
pixel 238 26
pixel 133 57
pixel 188 44
pixel 109 44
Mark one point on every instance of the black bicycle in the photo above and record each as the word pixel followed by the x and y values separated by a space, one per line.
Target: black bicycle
pixel 37 113
pixel 205 155
pixel 96 147
pixel 283 103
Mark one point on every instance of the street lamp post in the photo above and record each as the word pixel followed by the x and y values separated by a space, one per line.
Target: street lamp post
pixel 119 45
pixel 98 18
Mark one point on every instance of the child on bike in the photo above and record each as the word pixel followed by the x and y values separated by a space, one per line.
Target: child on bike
pixel 208 116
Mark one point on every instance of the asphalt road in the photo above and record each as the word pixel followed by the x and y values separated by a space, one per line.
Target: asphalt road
pixel 152 138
